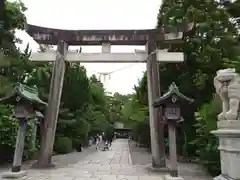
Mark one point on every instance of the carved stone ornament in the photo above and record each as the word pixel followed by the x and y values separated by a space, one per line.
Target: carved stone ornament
pixel 227 85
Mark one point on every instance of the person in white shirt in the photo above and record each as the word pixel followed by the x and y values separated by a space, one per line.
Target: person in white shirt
pixel 98 140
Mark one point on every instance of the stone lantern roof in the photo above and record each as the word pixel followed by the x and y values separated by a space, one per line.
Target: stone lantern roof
pixel 21 91
pixel 173 94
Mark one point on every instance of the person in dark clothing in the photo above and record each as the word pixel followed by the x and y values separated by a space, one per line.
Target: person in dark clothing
pixel 105 141
pixel 110 139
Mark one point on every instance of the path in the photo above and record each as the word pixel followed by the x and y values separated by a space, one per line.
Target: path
pixel 189 171
pixel 115 164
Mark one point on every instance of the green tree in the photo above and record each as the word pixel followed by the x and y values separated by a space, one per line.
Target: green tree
pixel 84 108
pixel 211 45
pixel 14 18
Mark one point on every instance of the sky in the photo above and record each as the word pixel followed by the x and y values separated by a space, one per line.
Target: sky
pixel 97 14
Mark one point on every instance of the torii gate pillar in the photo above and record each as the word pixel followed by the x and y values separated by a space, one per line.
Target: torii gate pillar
pixel 50 123
pixel 156 127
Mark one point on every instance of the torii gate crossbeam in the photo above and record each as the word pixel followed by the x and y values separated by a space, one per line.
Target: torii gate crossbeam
pixel 138 57
pixel 43 35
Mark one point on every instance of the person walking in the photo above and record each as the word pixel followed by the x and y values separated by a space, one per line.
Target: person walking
pixel 105 142
pixel 111 139
pixel 98 139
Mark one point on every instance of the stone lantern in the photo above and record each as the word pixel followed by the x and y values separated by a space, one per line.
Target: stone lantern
pixel 25 100
pixel 171 103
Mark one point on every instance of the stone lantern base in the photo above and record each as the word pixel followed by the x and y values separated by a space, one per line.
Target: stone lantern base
pixel 229 145
pixel 14 175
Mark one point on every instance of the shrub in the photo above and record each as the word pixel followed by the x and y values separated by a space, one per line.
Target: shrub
pixel 8 127
pixel 63 145
pixel 141 132
pixel 77 145
pixel 76 130
pixel 79 133
pixel 207 143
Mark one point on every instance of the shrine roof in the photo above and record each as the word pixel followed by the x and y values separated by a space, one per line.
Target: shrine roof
pixel 26 92
pixel 173 90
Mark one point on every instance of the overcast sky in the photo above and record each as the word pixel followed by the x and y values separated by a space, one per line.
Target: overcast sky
pixel 97 14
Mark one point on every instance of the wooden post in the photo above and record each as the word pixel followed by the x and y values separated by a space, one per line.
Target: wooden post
pixel 50 122
pixel 156 130
pixel 19 147
pixel 160 121
pixel 158 111
pixel 153 134
pixel 172 149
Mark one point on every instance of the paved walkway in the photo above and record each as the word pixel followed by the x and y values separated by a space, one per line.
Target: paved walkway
pixel 189 171
pixel 115 164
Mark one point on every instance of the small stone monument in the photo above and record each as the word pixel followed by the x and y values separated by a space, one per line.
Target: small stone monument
pixel 227 85
pixel 171 102
pixel 25 100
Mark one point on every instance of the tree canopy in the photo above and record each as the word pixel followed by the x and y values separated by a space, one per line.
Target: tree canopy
pixel 84 109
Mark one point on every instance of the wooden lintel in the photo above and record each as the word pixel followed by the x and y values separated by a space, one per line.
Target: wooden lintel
pixel 44 35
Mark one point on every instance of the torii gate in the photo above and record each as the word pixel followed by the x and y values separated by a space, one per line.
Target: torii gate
pixel 106 38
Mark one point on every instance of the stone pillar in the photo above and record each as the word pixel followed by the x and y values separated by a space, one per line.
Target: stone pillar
pixel 156 131
pixel 172 152
pixel 19 147
pixel 228 88
pixel 229 145
pixel 172 149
